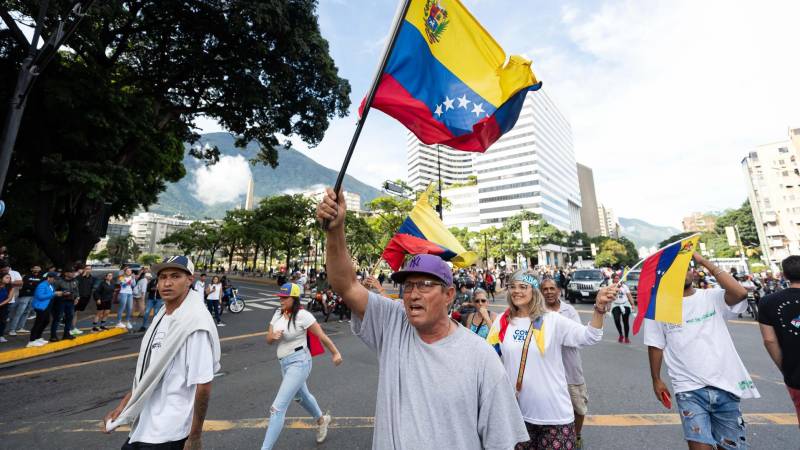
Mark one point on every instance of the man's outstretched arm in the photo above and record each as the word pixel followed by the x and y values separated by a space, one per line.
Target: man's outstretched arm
pixel 341 276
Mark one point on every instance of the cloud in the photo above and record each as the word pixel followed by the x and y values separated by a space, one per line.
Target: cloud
pixel 224 182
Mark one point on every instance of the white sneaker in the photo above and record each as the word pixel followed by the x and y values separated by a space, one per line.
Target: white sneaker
pixel 129 325
pixel 33 344
pixel 12 333
pixel 41 341
pixel 2 339
pixel 23 331
pixel 120 325
pixel 220 324
pixel 77 332
pixel 322 429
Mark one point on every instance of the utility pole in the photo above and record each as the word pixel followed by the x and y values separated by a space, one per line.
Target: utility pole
pixel 32 67
pixel 439 165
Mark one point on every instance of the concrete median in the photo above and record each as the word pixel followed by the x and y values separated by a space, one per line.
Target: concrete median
pixel 52 347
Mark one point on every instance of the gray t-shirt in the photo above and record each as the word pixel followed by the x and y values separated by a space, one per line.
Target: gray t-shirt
pixel 570 355
pixel 453 393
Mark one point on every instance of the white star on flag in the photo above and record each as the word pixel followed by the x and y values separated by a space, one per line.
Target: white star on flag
pixel 438 111
pixel 462 101
pixel 478 109
pixel 448 103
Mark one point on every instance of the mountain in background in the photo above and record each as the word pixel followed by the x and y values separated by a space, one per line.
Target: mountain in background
pixel 645 234
pixel 295 172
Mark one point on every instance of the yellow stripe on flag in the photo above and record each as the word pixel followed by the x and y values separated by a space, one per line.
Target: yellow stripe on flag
pixel 471 53
pixel 669 303
pixel 428 222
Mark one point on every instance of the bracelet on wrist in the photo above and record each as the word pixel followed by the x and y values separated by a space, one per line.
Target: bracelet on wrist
pixel 600 309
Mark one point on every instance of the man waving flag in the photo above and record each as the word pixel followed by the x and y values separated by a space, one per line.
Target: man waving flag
pixel 448 81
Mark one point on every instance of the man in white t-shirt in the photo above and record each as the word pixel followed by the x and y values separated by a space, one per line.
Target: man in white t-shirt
pixel 573 367
pixel 707 374
pixel 169 399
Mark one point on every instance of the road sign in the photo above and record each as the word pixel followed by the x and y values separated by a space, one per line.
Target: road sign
pixel 730 233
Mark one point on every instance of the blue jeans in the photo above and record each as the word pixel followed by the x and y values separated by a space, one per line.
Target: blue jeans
pixel 125 304
pixel 152 303
pixel 295 369
pixel 62 307
pixel 712 416
pixel 20 315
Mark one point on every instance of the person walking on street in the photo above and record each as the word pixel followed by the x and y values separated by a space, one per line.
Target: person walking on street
pixel 86 286
pixel 29 283
pixel 416 341
pixel 42 303
pixel 153 302
pixel 6 292
pixel 178 357
pixel 707 374
pixel 103 296
pixel 573 367
pixel 779 317
pixel 529 339
pixel 126 283
pixel 13 291
pixel 289 328
pixel 621 309
pixel 65 300
pixel 213 296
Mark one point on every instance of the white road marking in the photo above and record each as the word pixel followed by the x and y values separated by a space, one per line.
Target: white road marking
pixel 259 306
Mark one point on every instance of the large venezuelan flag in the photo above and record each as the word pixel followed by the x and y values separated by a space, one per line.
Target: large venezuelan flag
pixel 660 291
pixel 424 233
pixel 447 79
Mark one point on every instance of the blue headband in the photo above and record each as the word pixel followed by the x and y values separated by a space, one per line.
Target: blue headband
pixel 526 278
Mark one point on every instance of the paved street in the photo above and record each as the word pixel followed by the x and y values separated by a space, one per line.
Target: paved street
pixel 58 401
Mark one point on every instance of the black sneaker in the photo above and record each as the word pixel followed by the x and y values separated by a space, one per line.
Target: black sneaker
pixel 69 337
pixel 103 327
pixel 95 329
pixel 141 329
pixel 54 339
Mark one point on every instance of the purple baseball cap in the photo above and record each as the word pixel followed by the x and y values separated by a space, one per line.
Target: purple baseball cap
pixel 425 264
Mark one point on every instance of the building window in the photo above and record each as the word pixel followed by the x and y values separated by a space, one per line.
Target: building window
pixel 783 150
pixel 508 186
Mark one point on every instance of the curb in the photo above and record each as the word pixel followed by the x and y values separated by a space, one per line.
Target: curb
pixel 31 352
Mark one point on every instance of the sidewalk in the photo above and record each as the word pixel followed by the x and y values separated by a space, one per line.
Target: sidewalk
pixel 15 350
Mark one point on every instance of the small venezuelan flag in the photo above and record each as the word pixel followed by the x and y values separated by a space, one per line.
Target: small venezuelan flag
pixel 447 79
pixel 660 290
pixel 424 233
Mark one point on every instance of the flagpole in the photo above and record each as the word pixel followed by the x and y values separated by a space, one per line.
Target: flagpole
pixel 371 96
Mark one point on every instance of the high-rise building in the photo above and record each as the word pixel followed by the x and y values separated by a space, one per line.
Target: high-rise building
pixel 424 162
pixel 609 225
pixel 698 221
pixel 462 209
pixel 590 222
pixel 773 181
pixel 532 167
pixel 249 201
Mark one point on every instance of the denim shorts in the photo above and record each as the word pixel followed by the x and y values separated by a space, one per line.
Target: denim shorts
pixel 712 416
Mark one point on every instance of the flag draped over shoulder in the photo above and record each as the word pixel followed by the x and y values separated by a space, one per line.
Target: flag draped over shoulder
pixel 424 233
pixel 660 291
pixel 448 81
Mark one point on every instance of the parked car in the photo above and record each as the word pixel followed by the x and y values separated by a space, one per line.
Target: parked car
pixel 584 284
pixel 633 283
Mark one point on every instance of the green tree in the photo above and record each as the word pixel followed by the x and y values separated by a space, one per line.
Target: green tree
pixel 743 218
pixel 389 214
pixel 105 125
pixel 148 259
pixel 290 217
pixel 612 254
pixel 122 249
pixel 363 240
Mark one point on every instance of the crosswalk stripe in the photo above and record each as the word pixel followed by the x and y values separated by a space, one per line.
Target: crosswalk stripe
pixel 247 309
pixel 259 306
pixel 273 303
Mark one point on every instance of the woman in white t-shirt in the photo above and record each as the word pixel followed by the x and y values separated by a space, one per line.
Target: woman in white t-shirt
pixel 621 309
pixel 289 328
pixel 538 376
pixel 126 283
pixel 213 296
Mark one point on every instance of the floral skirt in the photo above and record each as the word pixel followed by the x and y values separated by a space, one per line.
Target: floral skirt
pixel 549 437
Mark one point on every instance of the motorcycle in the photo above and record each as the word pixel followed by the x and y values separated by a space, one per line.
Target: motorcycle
pixel 233 301
pixel 752 304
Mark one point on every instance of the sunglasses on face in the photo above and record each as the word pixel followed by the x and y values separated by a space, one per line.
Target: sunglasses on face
pixel 424 286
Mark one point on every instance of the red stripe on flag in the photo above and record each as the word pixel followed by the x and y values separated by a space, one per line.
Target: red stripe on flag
pixel 402 244
pixel 647 279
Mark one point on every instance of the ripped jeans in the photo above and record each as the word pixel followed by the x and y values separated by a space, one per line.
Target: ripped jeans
pixel 295 369
pixel 712 416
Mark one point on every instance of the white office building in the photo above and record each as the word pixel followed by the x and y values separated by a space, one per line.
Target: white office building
pixel 148 229
pixel 532 167
pixel 773 181
pixel 609 225
pixel 352 200
pixel 424 164
pixel 462 209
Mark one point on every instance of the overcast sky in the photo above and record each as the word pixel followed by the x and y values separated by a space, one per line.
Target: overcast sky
pixel 664 97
